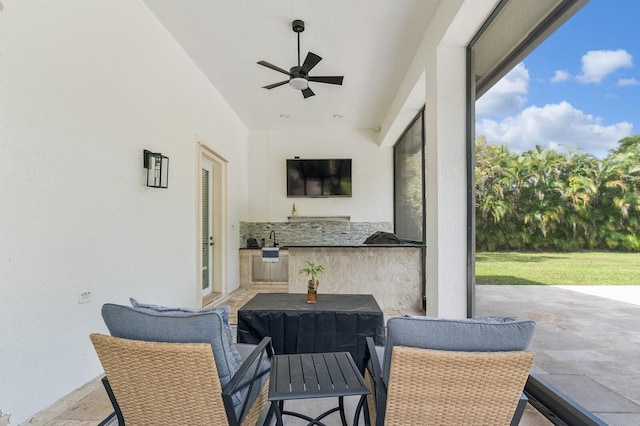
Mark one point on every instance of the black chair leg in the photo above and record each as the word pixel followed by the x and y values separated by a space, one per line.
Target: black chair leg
pixel 112 398
pixel 522 404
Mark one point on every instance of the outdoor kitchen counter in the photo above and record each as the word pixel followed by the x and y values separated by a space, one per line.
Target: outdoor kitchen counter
pixel 353 246
pixel 393 273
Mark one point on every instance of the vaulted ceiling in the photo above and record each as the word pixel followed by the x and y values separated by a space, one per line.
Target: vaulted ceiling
pixel 370 42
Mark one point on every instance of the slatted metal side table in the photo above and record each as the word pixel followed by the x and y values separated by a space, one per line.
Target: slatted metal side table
pixel 319 375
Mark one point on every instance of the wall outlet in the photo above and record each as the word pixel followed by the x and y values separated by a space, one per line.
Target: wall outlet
pixel 84 297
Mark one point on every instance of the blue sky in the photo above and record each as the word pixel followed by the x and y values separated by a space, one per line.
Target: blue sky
pixel 579 89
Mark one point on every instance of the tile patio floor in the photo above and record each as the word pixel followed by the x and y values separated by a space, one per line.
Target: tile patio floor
pixel 586 346
pixel 587 342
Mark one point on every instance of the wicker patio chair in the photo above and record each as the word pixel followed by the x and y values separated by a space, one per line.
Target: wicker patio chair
pixel 177 383
pixel 153 323
pixel 454 388
pixel 449 372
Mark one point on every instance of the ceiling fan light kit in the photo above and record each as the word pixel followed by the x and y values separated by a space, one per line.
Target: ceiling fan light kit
pixel 299 75
pixel 298 83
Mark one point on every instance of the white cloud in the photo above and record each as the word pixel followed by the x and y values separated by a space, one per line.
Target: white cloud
pixel 597 64
pixel 553 126
pixel 627 82
pixel 507 96
pixel 560 76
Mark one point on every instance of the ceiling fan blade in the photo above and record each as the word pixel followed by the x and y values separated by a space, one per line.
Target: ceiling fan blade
pixel 307 92
pixel 271 86
pixel 330 80
pixel 310 61
pixel 273 67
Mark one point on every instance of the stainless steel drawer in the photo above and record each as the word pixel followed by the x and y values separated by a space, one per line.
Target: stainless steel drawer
pixel 270 271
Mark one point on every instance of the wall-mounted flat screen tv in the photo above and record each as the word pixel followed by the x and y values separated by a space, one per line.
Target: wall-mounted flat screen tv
pixel 319 178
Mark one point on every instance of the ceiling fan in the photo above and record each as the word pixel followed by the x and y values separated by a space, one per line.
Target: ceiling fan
pixel 299 77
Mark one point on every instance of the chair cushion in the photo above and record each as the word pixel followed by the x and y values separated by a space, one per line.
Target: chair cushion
pixel 177 326
pixel 223 310
pixel 490 334
pixel 160 308
pixel 245 350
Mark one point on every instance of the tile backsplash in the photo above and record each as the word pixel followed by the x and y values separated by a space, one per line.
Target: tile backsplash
pixel 311 232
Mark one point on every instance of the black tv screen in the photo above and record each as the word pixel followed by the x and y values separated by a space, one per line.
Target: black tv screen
pixel 319 178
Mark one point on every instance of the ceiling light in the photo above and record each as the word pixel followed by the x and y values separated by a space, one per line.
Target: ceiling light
pixel 299 83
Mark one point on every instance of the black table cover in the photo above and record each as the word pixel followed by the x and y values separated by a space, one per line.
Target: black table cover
pixel 336 323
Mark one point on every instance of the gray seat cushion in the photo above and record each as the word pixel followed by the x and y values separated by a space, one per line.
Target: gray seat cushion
pixel 245 350
pixel 177 327
pixel 491 334
pixel 223 310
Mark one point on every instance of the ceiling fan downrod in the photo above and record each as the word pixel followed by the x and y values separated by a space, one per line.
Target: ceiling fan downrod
pixel 298 27
pixel 298 80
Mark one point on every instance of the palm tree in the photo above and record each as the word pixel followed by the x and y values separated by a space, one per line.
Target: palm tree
pixel 545 200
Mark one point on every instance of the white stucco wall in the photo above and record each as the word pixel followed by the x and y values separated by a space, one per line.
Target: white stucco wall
pixel 372 174
pixel 85 86
pixel 446 191
pixel 441 63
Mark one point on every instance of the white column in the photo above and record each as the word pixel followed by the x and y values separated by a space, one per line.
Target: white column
pixel 445 118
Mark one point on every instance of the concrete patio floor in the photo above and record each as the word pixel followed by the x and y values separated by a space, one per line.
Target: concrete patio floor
pixel 587 344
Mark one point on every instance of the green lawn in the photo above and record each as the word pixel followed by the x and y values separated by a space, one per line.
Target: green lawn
pixel 583 268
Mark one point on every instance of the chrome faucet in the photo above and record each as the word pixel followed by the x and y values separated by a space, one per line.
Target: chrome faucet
pixel 273 235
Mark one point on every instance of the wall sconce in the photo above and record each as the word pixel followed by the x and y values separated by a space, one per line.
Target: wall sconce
pixel 157 166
